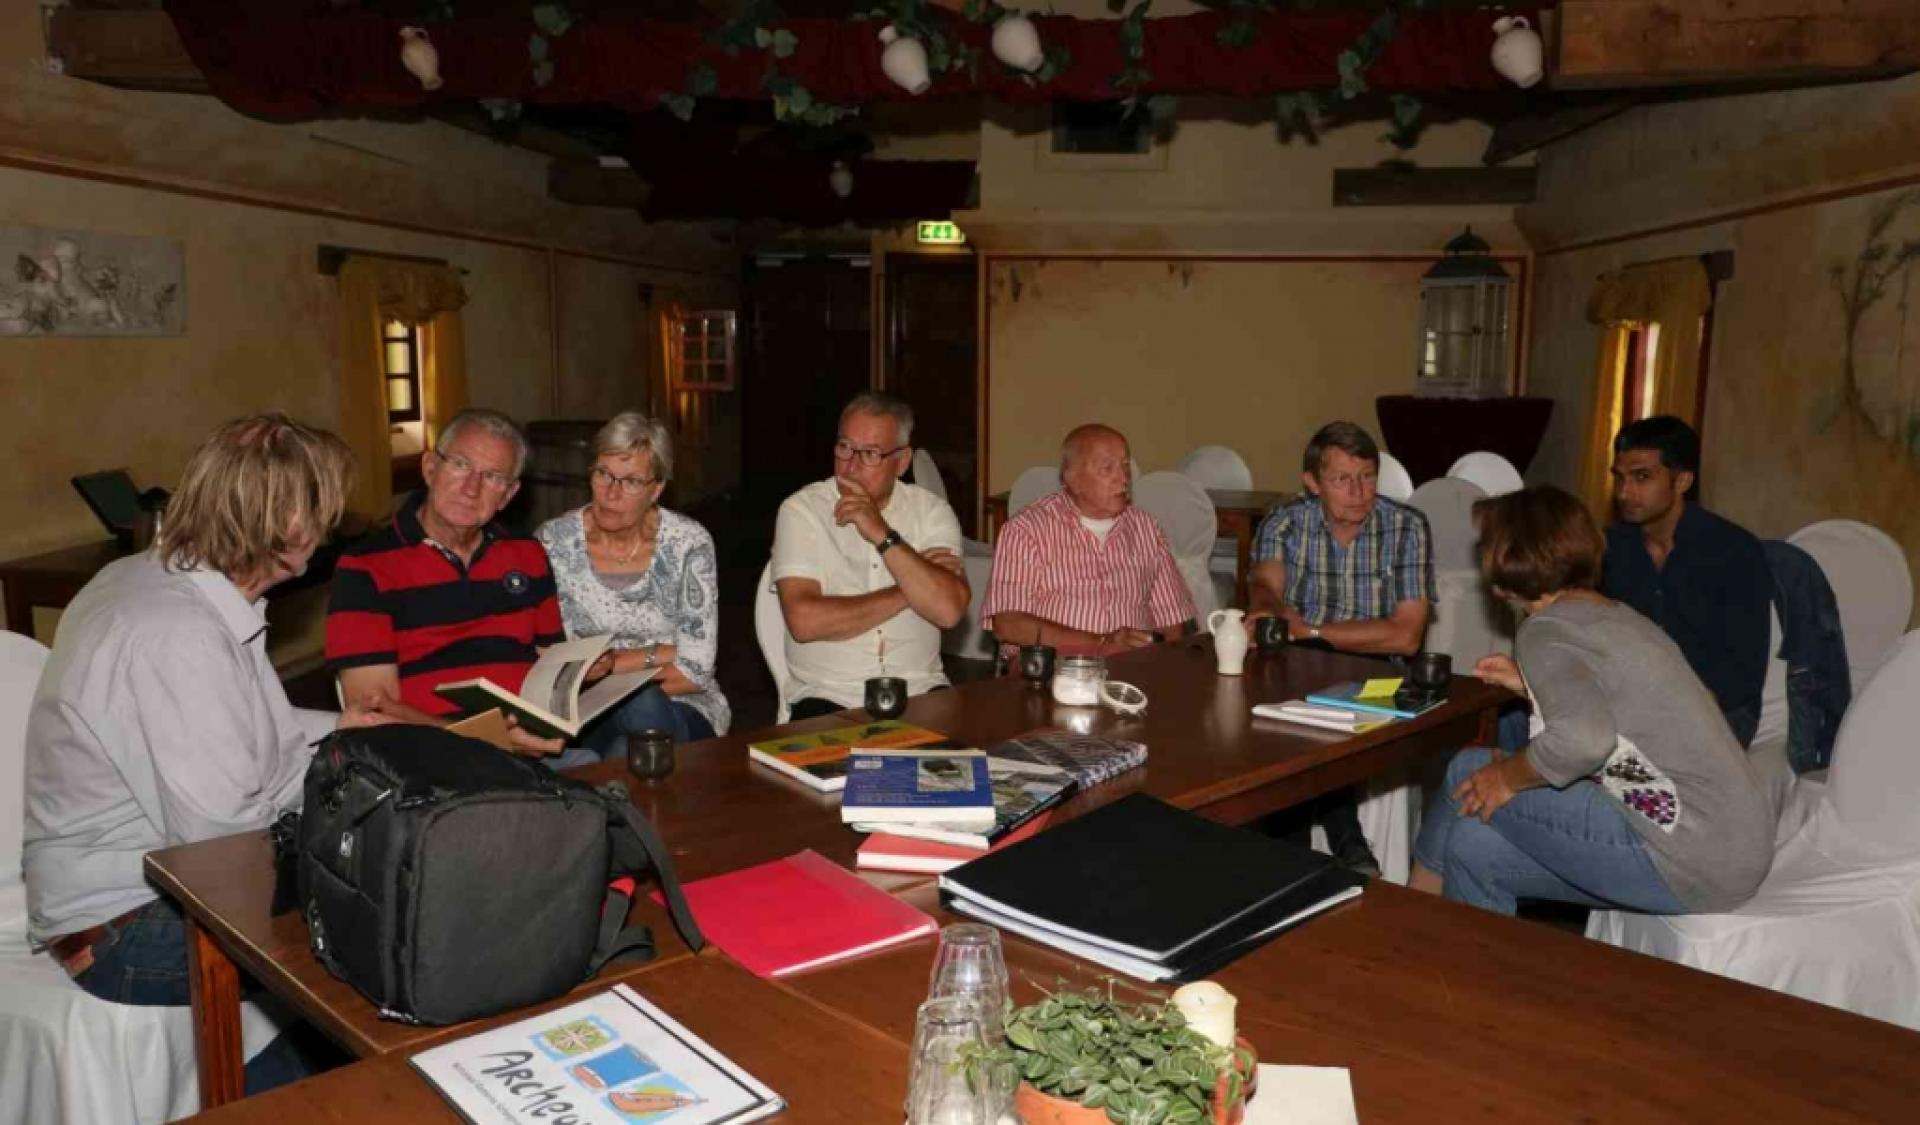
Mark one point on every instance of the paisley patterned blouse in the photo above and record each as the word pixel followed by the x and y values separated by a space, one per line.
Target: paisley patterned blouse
pixel 675 602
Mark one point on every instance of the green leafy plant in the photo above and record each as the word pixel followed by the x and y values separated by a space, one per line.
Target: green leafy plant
pixel 1140 1063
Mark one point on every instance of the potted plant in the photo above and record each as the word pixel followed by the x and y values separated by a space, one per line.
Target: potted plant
pixel 1084 1058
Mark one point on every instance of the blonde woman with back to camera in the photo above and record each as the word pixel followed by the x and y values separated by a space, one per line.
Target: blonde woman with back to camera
pixel 628 567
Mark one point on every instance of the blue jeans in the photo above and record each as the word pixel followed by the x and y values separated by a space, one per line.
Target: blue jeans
pixel 1568 845
pixel 143 962
pixel 648 709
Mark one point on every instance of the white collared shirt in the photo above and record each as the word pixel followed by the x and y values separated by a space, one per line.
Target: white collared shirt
pixel 807 544
pixel 158 721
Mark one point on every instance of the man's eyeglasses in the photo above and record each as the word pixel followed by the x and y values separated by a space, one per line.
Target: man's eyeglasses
pixel 844 450
pixel 1350 482
pixel 459 469
pixel 631 486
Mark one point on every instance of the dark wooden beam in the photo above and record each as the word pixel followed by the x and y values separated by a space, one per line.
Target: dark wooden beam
pixel 1616 44
pixel 1391 186
pixel 585 183
pixel 136 49
pixel 1537 130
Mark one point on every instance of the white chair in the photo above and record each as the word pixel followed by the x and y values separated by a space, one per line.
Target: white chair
pixel 1468 621
pixel 1184 512
pixel 926 474
pixel 1448 503
pixel 1871 582
pixel 1837 920
pixel 66 1056
pixel 1031 485
pixel 1395 482
pixel 770 628
pixel 1495 475
pixel 1217 466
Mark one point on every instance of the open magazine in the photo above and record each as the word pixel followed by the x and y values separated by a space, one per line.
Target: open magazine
pixel 550 702
pixel 612 1059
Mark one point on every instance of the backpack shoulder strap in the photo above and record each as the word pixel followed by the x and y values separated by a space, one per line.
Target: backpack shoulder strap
pixel 625 815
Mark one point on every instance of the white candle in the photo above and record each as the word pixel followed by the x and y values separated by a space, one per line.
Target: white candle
pixel 1208 1009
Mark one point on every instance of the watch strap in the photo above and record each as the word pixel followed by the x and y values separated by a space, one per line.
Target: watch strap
pixel 891 540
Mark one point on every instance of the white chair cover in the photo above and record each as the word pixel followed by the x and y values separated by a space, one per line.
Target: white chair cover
pixel 1448 505
pixel 1495 475
pixel 1185 514
pixel 1217 466
pixel 926 474
pixel 1871 582
pixel 1395 482
pixel 968 640
pixel 1032 485
pixel 770 629
pixel 66 1056
pixel 1838 919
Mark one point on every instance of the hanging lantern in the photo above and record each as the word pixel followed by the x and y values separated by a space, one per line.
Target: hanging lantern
pixel 1461 349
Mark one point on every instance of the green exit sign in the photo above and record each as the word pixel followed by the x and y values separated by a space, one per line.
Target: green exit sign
pixel 941 234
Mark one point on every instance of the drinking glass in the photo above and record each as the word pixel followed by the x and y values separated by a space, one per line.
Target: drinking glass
pixel 970 964
pixel 938 1090
pixel 650 754
pixel 886 697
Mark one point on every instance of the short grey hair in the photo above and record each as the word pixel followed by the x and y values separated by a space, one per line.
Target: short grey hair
pixel 491 422
pixel 634 433
pixel 883 405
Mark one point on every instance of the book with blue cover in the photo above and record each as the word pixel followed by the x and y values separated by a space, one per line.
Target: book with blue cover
pixel 1374 697
pixel 945 786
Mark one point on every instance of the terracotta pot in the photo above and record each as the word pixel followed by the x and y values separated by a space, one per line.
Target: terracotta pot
pixel 1032 1107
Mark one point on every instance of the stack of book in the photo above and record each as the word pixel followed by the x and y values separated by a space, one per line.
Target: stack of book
pixel 818 759
pixel 1149 890
pixel 1353 707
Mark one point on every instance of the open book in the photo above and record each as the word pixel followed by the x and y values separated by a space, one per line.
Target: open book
pixel 551 703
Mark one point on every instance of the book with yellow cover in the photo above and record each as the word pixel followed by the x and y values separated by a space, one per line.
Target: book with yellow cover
pixel 819 758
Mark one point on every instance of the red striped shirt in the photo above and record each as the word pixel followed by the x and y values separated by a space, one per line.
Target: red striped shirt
pixel 1047 564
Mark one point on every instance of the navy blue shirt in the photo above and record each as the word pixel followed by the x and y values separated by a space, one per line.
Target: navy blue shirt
pixel 1711 597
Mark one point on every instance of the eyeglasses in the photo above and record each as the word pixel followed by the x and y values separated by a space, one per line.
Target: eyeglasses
pixel 631 486
pixel 844 450
pixel 1351 482
pixel 459 468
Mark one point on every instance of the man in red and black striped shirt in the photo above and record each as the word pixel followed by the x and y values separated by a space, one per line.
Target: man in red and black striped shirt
pixel 442 593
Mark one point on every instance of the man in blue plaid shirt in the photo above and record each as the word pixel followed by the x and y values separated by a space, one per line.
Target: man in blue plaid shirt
pixel 1350 569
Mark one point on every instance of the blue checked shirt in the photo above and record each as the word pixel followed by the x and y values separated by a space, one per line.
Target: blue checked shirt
pixel 1390 562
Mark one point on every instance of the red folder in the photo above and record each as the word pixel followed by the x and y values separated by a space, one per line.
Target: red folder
pixel 799 913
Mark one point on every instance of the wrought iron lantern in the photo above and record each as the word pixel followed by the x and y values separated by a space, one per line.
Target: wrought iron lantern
pixel 1462 347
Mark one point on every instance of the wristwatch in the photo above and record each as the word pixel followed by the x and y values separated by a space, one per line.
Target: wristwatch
pixel 653 657
pixel 1313 632
pixel 891 540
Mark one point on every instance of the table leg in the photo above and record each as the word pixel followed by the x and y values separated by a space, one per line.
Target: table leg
pixel 19 607
pixel 215 984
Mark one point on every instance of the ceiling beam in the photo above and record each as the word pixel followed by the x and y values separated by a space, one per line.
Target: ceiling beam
pixel 134 49
pixel 1398 186
pixel 1618 44
pixel 586 183
pixel 1522 135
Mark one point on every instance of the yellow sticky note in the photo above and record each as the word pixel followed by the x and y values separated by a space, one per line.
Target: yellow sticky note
pixel 1379 689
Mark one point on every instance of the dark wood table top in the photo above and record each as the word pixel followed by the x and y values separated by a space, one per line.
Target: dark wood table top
pixel 829 1067
pixel 83 561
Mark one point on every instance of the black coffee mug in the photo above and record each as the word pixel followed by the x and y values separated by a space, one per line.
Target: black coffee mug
pixel 650 754
pixel 1430 670
pixel 1036 663
pixel 886 697
pixel 1270 633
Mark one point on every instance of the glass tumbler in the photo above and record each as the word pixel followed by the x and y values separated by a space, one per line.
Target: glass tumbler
pixel 939 1091
pixel 970 965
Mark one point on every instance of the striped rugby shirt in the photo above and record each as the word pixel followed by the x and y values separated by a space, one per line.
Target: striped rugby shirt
pixel 1389 562
pixel 400 598
pixel 1047 564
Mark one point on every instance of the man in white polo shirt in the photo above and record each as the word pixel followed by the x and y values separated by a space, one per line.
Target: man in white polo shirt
pixel 868 569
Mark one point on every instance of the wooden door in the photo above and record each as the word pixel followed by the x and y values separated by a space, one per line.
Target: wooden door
pixel 808 349
pixel 931 363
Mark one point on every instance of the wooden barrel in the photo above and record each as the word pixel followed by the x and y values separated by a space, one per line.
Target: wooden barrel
pixel 555 480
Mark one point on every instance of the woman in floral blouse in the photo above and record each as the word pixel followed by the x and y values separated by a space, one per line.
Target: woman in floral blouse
pixel 628 567
pixel 1631 791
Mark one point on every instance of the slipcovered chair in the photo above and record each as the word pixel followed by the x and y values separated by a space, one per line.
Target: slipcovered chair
pixel 1868 573
pixel 1032 485
pixel 770 629
pixel 1494 474
pixel 926 474
pixel 1184 512
pixel 1217 466
pixel 1468 621
pixel 66 1055
pixel 1395 482
pixel 1837 920
pixel 966 639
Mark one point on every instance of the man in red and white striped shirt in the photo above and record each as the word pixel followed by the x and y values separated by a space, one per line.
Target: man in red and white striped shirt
pixel 1083 568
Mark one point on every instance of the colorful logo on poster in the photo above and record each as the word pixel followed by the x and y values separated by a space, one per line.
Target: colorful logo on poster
pixel 575 1037
pixel 652 1100
pixel 617 1067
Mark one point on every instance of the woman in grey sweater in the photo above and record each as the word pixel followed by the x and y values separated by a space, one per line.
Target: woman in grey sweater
pixel 1632 791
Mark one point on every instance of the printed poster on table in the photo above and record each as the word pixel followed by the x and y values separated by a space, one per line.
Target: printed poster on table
pixel 614 1059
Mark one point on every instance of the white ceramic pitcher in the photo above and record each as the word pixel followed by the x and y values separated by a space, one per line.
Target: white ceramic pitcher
pixel 1229 643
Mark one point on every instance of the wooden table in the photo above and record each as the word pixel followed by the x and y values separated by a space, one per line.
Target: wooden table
pixel 1236 512
pixel 52 579
pixel 718 813
pixel 1440 1012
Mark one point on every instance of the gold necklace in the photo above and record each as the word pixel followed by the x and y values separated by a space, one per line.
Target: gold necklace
pixel 640 540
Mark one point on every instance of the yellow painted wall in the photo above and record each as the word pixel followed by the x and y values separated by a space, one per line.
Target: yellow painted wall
pixel 1782 447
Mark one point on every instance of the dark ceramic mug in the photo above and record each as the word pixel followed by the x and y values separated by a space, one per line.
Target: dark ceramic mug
pixel 650 754
pixel 1036 663
pixel 886 697
pixel 1430 671
pixel 1270 633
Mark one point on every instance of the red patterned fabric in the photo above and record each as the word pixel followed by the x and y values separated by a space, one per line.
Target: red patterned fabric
pixel 284 59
